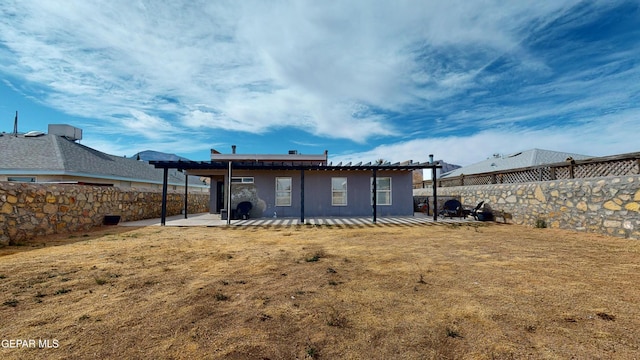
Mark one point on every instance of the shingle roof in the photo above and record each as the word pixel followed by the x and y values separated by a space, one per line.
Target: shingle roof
pixel 56 155
pixel 521 159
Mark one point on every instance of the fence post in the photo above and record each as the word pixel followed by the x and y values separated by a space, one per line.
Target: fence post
pixel 571 170
pixel 552 173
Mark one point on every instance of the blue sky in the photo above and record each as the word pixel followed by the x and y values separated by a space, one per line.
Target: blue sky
pixel 365 80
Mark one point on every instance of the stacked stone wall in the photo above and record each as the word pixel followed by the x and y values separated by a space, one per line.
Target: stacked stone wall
pixel 30 210
pixel 609 205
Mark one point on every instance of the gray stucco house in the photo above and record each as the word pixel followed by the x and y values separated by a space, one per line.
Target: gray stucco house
pixel 297 185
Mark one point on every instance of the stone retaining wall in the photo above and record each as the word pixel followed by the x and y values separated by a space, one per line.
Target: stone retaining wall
pixel 608 205
pixel 29 210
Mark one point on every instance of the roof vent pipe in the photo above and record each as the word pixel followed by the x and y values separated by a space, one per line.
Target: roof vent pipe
pixel 430 158
pixel 233 149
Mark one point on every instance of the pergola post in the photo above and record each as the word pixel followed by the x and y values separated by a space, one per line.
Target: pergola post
pixel 163 216
pixel 375 195
pixel 229 196
pixel 435 193
pixel 186 193
pixel 302 196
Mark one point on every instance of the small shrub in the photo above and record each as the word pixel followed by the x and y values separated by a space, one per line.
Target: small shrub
pixel 12 303
pixel 312 352
pixel 62 291
pixel 101 281
pixel 452 333
pixel 530 328
pixel 605 316
pixel 316 255
pixel 337 319
pixel 221 297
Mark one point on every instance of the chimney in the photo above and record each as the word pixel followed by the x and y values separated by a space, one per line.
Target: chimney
pixel 233 149
pixel 430 158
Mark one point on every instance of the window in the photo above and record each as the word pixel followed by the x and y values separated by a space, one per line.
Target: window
pixel 21 179
pixel 242 179
pixel 383 190
pixel 339 191
pixel 283 191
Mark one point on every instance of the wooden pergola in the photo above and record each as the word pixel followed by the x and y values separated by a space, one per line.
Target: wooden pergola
pixel 247 164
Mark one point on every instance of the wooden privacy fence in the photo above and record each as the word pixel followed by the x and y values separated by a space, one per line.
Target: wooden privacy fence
pixel 617 165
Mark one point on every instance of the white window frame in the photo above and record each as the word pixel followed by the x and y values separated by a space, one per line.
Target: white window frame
pixel 283 196
pixel 242 180
pixel 335 191
pixel 378 191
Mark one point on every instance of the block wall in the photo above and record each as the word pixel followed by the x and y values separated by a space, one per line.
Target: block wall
pixel 28 210
pixel 609 205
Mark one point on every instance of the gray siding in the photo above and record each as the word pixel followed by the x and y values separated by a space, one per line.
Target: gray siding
pixel 317 201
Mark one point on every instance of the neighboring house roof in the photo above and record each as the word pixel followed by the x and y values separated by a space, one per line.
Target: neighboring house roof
pixel 56 155
pixel 521 159
pixel 446 167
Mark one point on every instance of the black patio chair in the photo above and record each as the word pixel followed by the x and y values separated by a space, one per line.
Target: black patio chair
pixel 243 209
pixel 474 212
pixel 452 208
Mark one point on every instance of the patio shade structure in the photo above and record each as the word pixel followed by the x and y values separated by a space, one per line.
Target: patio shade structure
pixel 248 162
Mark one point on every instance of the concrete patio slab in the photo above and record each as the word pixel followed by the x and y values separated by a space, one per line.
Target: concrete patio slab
pixel 206 219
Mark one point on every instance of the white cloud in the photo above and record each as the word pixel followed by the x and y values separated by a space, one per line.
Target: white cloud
pixel 602 136
pixel 157 69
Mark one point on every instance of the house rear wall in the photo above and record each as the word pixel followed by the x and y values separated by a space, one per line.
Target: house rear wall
pixel 317 198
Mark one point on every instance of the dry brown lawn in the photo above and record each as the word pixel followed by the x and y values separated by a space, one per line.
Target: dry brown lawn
pixel 378 292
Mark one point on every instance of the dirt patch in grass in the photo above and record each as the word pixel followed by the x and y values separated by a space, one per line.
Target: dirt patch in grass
pixel 380 292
